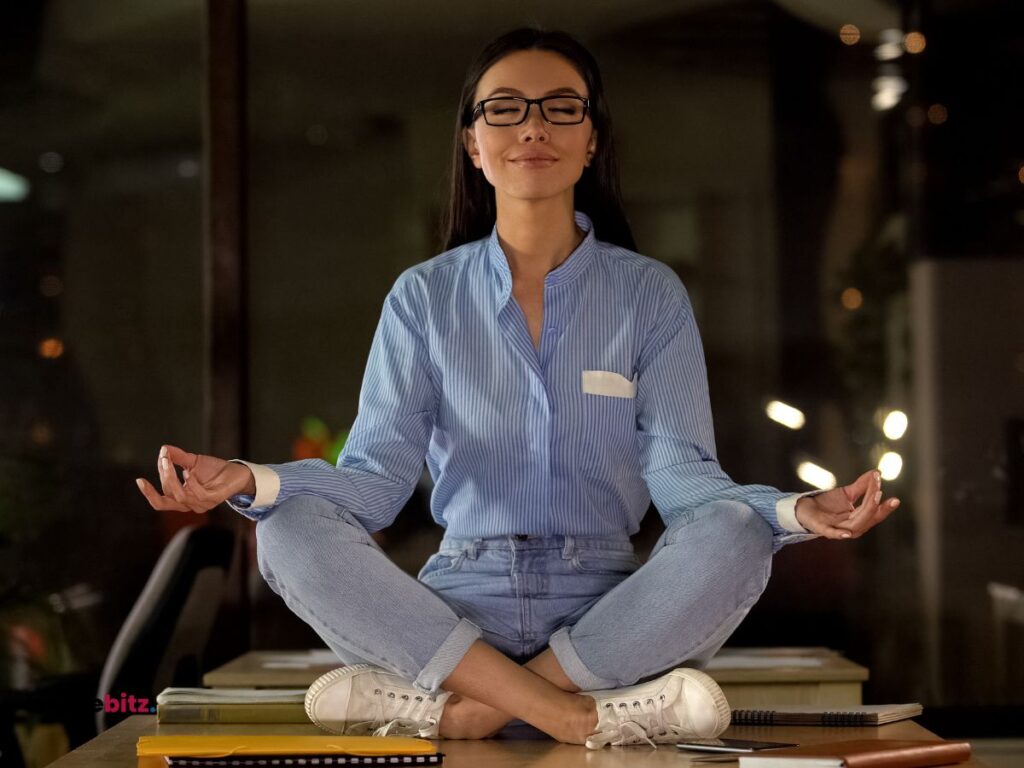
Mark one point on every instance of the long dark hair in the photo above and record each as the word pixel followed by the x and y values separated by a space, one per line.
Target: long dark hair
pixel 471 208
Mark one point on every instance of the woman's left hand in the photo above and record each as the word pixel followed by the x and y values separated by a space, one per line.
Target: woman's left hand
pixel 832 514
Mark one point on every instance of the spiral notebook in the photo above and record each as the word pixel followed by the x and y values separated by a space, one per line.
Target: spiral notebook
pixel 798 714
pixel 267 750
pixel 304 760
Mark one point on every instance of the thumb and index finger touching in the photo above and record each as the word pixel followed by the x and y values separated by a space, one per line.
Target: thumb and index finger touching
pixel 180 457
pixel 862 484
pixel 837 516
pixel 174 496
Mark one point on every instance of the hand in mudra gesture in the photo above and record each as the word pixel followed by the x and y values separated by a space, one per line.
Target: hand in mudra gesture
pixel 208 481
pixel 833 515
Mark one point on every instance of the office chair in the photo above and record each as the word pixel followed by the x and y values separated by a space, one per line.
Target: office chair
pixel 161 642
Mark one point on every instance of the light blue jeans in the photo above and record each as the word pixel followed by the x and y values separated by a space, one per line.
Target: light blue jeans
pixel 609 620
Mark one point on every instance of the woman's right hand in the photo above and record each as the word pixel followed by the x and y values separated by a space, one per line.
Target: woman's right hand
pixel 208 481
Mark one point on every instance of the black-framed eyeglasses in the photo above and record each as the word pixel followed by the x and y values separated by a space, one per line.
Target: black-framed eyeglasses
pixel 513 110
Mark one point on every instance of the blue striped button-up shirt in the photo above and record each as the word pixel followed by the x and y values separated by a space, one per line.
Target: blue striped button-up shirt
pixel 575 437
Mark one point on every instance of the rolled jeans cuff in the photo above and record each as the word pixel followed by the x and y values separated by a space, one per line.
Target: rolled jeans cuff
pixel 573 665
pixel 447 657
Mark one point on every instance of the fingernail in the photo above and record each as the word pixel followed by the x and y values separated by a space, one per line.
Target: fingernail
pixel 895 503
pixel 164 462
pixel 878 476
pixel 845 535
pixel 138 482
pixel 878 496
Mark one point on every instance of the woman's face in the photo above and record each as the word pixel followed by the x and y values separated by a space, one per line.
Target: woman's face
pixel 500 150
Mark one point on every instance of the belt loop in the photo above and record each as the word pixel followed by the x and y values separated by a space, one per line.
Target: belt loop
pixel 569 548
pixel 471 549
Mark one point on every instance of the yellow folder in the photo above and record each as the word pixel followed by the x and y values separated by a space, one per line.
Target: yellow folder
pixel 221 745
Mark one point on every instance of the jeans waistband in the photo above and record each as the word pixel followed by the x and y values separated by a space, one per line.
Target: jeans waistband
pixel 567 544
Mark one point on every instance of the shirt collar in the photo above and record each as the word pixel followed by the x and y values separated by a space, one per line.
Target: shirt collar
pixel 568 270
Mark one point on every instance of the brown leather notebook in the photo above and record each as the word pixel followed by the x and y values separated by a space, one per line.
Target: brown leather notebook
pixel 863 753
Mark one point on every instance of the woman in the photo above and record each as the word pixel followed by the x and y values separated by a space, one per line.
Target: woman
pixel 554 381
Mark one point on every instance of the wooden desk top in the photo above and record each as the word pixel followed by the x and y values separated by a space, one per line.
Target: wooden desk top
pixel 115 748
pixel 298 669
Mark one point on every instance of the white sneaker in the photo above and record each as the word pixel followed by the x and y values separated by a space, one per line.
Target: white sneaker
pixel 684 703
pixel 365 700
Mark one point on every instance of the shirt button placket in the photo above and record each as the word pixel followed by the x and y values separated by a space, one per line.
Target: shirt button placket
pixel 542 440
pixel 539 407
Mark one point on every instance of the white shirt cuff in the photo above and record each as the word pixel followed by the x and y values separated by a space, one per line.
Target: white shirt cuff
pixel 268 483
pixel 785 511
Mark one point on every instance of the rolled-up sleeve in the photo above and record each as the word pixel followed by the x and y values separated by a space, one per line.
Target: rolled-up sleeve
pixel 675 429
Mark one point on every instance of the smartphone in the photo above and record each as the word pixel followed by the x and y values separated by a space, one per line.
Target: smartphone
pixel 731 745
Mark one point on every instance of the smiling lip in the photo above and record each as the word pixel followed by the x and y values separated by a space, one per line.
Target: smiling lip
pixel 535 161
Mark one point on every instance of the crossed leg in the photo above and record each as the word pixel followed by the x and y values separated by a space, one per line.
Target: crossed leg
pixel 333 575
pixel 527 692
pixel 318 558
pixel 704 574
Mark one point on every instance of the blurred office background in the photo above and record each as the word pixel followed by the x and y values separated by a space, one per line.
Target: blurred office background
pixel 839 185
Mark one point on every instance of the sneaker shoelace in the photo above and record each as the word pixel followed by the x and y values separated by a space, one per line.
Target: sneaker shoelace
pixel 405 727
pixel 399 715
pixel 634 722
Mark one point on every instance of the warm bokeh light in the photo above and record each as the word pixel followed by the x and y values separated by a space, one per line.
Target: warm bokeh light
pixel 786 415
pixel 51 348
pixel 890 45
pixel 937 114
pixel 852 298
pixel 849 34
pixel 884 100
pixel 41 433
pixel 889 89
pixel 914 42
pixel 814 475
pixel 1020 174
pixel 888 52
pixel 895 425
pixel 890 465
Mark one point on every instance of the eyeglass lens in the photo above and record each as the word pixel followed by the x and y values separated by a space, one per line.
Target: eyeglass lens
pixel 557 110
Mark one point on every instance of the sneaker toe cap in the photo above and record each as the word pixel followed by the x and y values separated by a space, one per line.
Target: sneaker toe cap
pixel 704 712
pixel 327 706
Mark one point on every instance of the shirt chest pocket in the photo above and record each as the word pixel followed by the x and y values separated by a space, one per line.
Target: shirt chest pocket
pixel 608 384
pixel 605 436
